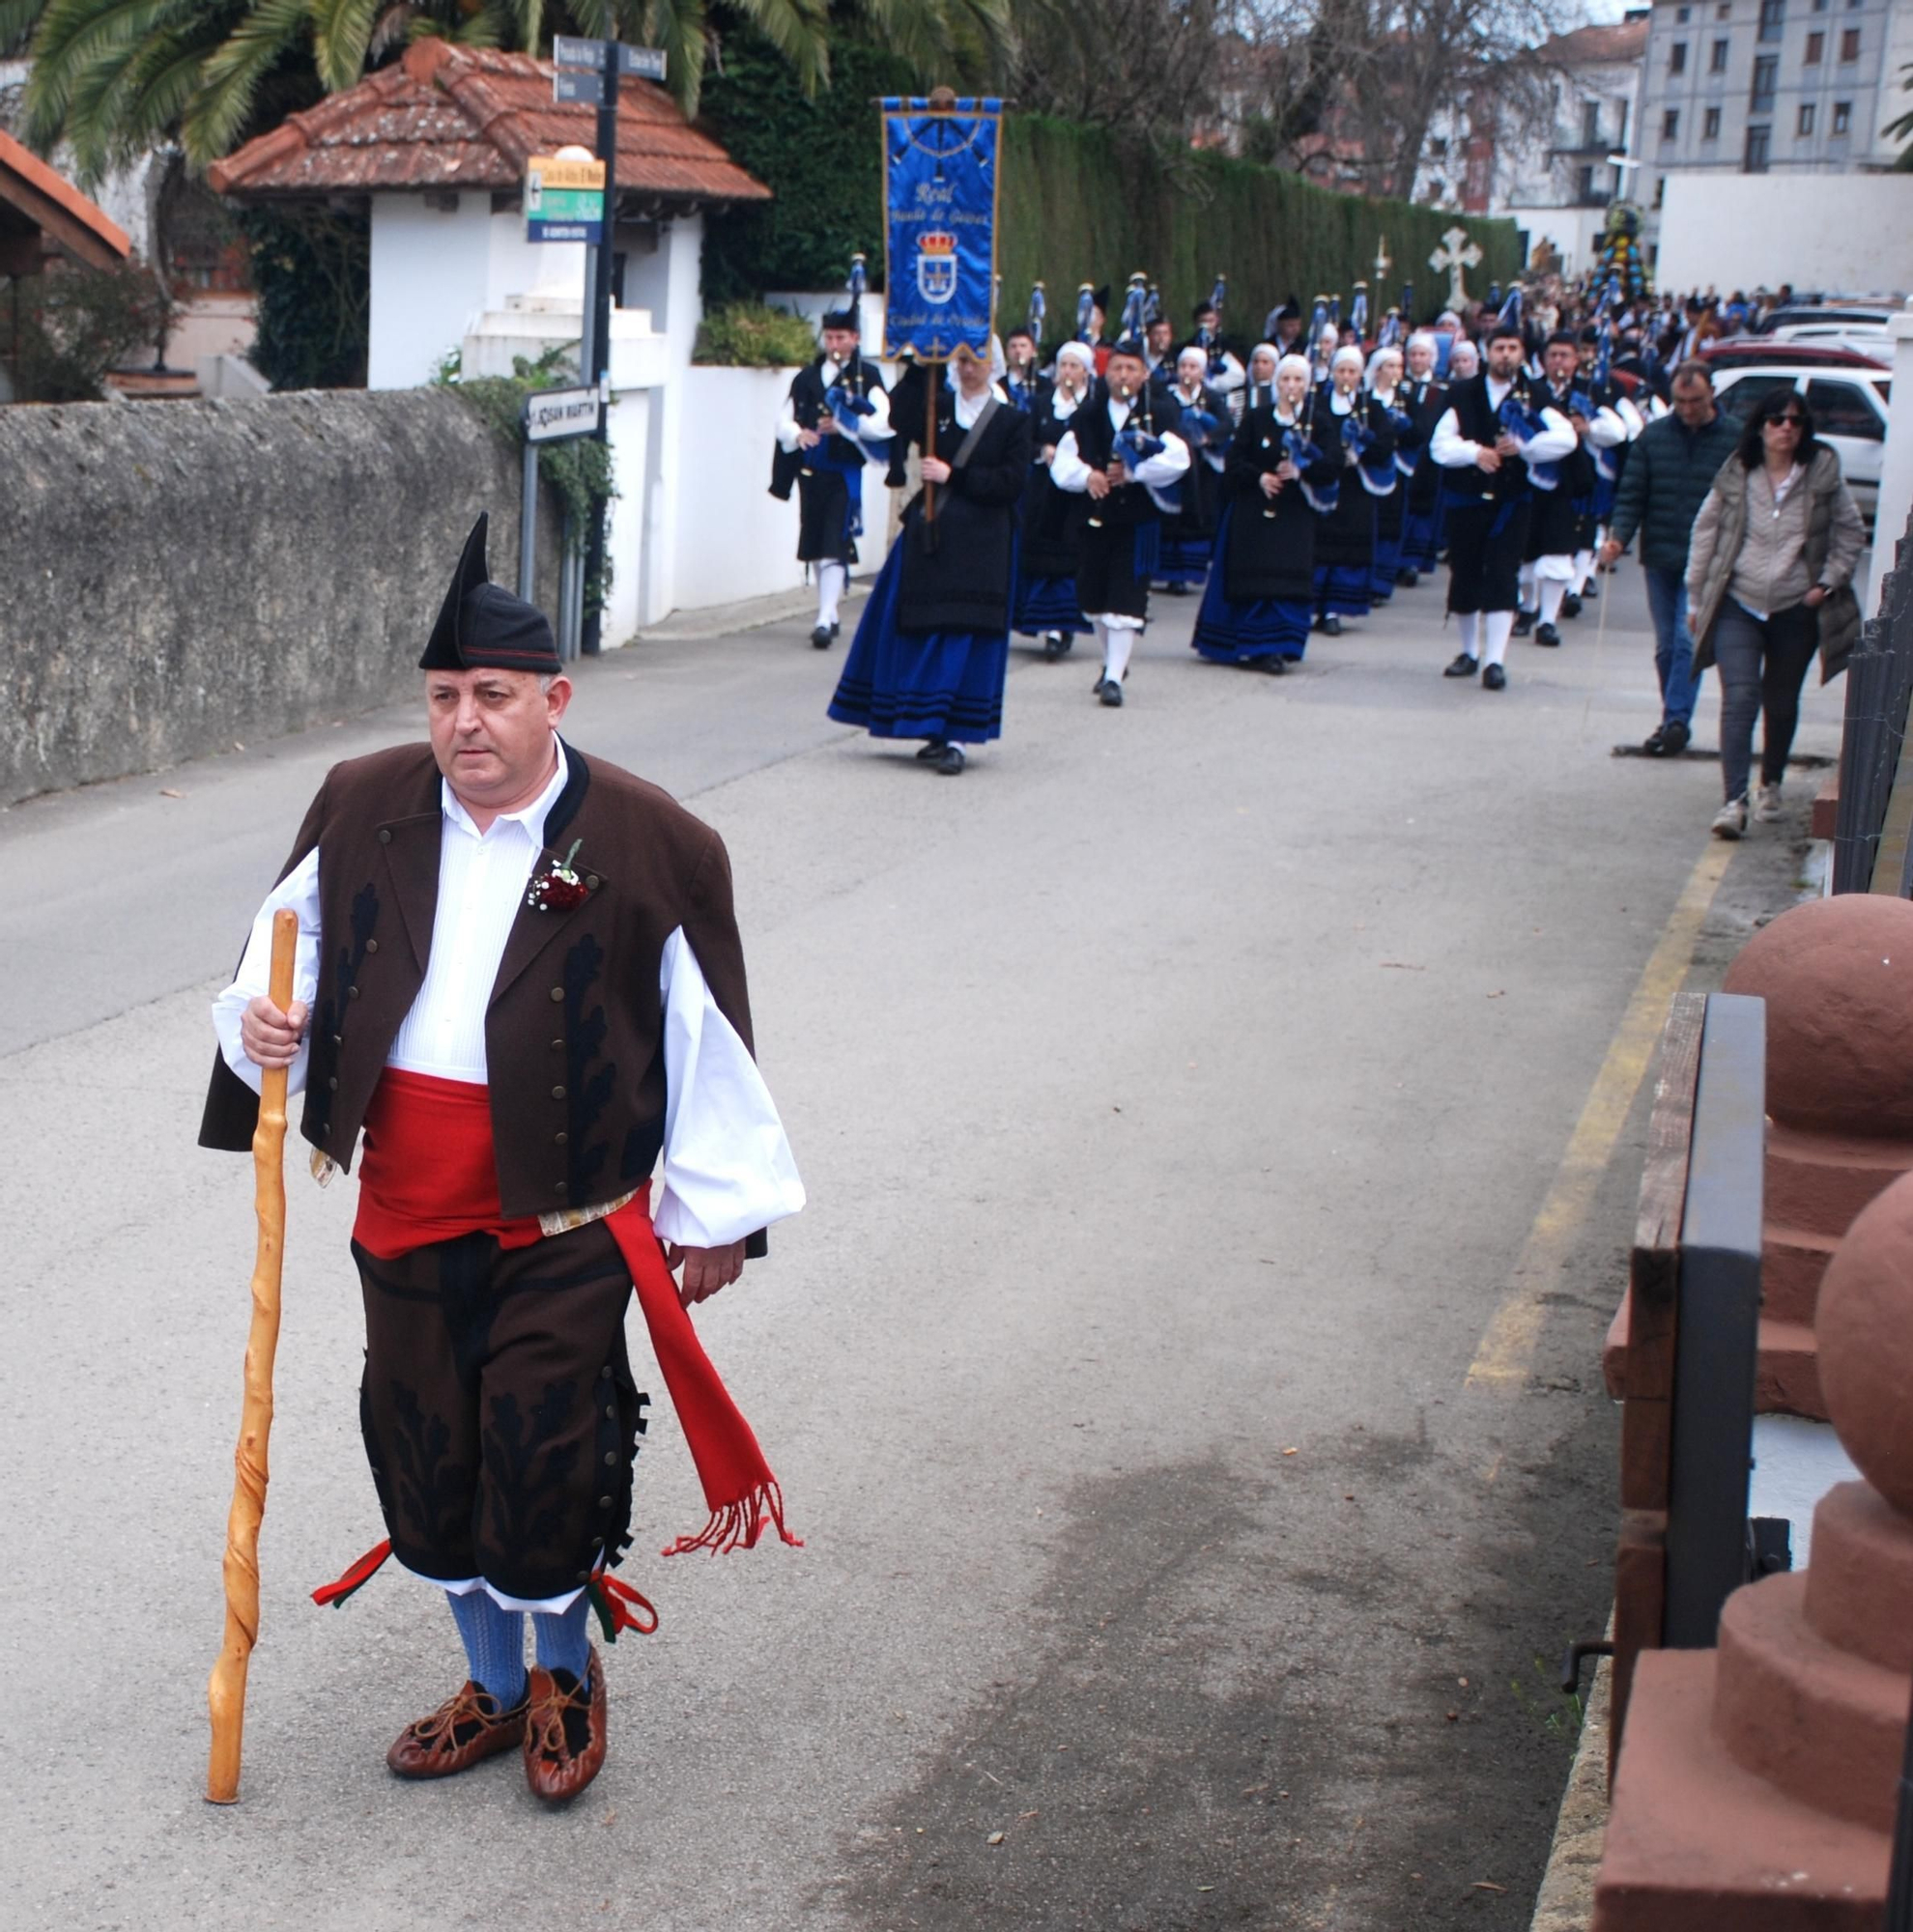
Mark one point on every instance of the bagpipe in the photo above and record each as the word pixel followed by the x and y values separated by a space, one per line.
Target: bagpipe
pixel 1359 312
pixel 1086 313
pixel 1299 447
pixel 1376 467
pixel 1210 340
pixel 1521 417
pixel 1021 393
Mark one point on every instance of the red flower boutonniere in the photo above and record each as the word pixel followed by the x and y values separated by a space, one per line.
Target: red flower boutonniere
pixel 560 888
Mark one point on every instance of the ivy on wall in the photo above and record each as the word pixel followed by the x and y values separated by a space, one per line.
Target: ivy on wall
pixel 313 273
pixel 822 158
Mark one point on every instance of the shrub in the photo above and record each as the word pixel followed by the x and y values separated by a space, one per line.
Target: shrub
pixel 749 336
pixel 71 323
pixel 313 272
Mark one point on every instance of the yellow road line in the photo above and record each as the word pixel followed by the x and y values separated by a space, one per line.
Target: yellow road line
pixel 1508 1348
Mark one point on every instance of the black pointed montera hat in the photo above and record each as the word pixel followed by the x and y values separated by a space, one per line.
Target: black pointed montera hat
pixel 483 627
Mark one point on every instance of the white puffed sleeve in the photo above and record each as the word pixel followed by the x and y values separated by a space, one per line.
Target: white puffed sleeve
pixel 727 1166
pixel 297 891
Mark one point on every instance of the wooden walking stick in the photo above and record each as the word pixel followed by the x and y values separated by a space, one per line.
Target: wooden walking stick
pixel 225 1693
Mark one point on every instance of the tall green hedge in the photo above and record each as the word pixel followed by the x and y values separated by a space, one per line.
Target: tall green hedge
pixel 1077 206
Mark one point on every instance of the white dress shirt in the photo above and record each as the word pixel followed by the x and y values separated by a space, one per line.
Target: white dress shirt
pixel 873 428
pixel 1068 471
pixel 1452 450
pixel 727 1166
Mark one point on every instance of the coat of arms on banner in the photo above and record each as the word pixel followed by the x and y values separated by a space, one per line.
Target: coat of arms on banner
pixel 936 266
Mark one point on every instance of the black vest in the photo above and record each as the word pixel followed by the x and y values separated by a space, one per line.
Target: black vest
pixel 1479 421
pixel 1096 443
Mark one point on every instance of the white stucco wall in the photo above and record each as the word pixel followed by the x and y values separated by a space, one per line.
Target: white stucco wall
pixel 1575 233
pixel 1846 233
pixel 735 539
pixel 435 271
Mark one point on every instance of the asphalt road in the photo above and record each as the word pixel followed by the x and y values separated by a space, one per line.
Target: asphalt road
pixel 1176 1091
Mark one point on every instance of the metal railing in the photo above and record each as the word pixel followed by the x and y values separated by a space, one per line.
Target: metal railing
pixel 1879 682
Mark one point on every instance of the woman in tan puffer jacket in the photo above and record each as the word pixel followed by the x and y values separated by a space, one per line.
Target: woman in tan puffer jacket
pixel 1769 582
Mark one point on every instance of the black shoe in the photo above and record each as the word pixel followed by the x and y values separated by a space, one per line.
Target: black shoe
pixel 1273 664
pixel 1053 645
pixel 820 637
pixel 1111 693
pixel 935 749
pixel 1546 634
pixel 1493 678
pixel 1321 622
pixel 1331 625
pixel 1570 606
pixel 1463 666
pixel 950 761
pixel 1655 744
pixel 1523 622
pixel 1407 579
pixel 1676 734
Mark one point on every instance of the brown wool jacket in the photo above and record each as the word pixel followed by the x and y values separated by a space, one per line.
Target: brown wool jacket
pixel 574 1038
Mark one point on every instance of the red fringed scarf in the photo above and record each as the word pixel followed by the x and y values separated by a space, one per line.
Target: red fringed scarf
pixel 428 1174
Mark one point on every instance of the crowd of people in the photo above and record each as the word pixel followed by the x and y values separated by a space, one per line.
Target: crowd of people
pixel 1299 486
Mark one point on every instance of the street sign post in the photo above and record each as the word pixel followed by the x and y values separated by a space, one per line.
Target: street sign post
pixel 579 85
pixel 565 201
pixel 643 63
pixel 552 416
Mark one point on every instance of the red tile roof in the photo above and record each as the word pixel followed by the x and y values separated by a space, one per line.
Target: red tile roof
pixel 1598 45
pixel 451 117
pixel 54 206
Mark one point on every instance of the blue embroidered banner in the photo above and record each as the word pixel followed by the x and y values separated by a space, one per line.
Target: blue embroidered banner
pixel 939 192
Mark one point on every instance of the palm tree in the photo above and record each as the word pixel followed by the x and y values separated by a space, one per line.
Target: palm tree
pixel 115 78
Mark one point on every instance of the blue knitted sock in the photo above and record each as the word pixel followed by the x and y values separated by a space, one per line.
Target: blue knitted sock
pixel 494 1643
pixel 563 1641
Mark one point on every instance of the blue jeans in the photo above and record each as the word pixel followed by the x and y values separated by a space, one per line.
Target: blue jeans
pixel 1673 648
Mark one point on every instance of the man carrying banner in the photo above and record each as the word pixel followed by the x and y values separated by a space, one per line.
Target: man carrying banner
pixel 1123 455
pixel 932 646
pixel 836 418
pixel 521 1037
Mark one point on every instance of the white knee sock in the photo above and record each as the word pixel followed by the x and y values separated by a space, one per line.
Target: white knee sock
pixel 831 580
pixel 1553 591
pixel 1526 584
pixel 1467 624
pixel 1118 641
pixel 1496 626
pixel 1584 569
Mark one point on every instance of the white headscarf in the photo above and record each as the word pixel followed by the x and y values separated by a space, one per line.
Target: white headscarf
pixel 1078 351
pixel 1348 353
pixel 1298 365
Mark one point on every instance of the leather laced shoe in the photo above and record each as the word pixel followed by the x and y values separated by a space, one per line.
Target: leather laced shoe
pixel 564 1731
pixel 1461 665
pixel 1111 693
pixel 1571 604
pixel 1273 664
pixel 1547 635
pixel 1493 678
pixel 1331 625
pixel 1407 579
pixel 949 760
pixel 467 1728
pixel 1523 622
pixel 1052 646
pixel 820 637
pixel 933 749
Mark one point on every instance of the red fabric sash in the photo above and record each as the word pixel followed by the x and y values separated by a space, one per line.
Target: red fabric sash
pixel 428 1174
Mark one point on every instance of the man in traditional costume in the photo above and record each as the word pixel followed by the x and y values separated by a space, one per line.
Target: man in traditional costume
pixel 1049 548
pixel 1279 480
pixel 932 646
pixel 1560 532
pixel 1359 427
pixel 520 1036
pixel 1120 454
pixel 836 419
pixel 1189 536
pixel 1424 396
pixel 1223 372
pixel 1486 439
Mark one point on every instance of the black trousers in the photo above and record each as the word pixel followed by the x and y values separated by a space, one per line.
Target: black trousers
pixel 1485 546
pixel 499 1411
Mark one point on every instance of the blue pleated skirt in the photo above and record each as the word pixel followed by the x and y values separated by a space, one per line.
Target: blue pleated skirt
pixel 1421 538
pixel 1228 633
pixel 1387 561
pixel 1049 603
pixel 936 684
pixel 1183 560
pixel 1346 588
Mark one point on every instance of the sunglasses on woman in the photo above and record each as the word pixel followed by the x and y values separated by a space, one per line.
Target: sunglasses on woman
pixel 1790 422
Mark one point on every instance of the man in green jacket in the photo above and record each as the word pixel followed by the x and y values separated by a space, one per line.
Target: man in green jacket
pixel 1670 469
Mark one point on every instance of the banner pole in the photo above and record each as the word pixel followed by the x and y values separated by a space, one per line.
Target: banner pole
pixel 932 383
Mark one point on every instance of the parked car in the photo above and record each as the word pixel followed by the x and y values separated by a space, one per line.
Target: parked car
pixel 1849 405
pixel 1738 351
pixel 1782 321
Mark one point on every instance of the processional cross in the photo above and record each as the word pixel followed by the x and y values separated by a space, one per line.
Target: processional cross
pixel 1456 253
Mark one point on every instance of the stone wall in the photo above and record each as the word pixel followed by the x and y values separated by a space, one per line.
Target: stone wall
pixel 175 577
